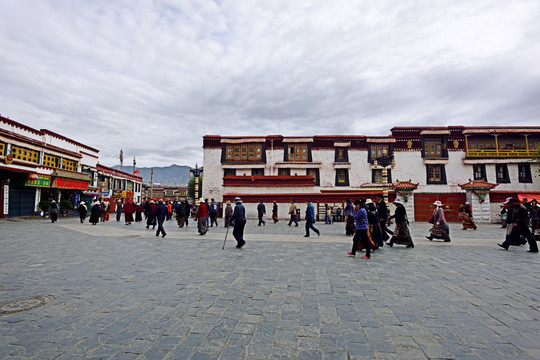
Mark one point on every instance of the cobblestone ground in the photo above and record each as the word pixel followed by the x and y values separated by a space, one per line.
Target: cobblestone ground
pixel 120 292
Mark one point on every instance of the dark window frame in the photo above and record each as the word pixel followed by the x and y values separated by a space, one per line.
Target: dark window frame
pixel 526 175
pixel 444 148
pixel 482 172
pixel 442 180
pixel 346 182
pixel 317 180
pixel 225 146
pixel 388 175
pixel 229 172
pixel 345 154
pixel 506 177
pixel 284 172
pixel 255 171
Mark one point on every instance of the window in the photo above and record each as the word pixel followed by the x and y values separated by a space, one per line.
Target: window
pixel 51 160
pixel 229 172
pixel 502 173
pixel 377 178
pixel 436 174
pixel 342 177
pixel 284 172
pixel 378 150
pixel 524 173
pixel 479 172
pixel 315 174
pixel 257 172
pixel 481 144
pixel 69 165
pixel 298 152
pixel 341 154
pixel 25 154
pixel 244 153
pixel 433 149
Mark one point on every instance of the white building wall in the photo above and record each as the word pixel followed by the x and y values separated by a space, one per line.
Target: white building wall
pixel 213 174
pixel 410 165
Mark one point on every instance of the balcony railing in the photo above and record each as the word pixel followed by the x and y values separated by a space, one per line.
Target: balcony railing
pixel 500 153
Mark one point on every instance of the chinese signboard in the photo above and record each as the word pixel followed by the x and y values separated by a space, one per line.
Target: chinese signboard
pixel 61 183
pixel 41 181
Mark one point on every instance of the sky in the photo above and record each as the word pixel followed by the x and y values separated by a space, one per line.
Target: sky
pixel 153 77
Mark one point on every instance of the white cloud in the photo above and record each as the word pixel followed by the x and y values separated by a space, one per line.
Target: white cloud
pixel 153 77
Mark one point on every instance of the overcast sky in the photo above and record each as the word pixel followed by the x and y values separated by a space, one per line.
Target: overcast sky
pixel 153 77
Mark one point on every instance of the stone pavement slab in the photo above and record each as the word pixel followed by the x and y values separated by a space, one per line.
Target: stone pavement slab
pixel 120 292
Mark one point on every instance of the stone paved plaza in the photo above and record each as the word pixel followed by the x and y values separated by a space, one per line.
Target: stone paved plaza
pixel 120 292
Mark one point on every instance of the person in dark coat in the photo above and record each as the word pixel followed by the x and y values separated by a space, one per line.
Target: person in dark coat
pixel 275 212
pixel 95 212
pixel 180 214
pixel 382 212
pixel 161 214
pixel 374 223
pixel 82 211
pixel 350 228
pixel 53 211
pixel 213 212
pixel 403 235
pixel 520 225
pixel 261 211
pixel 238 218
pixel 187 206
pixel 138 212
pixel 151 220
pixel 146 209
pixel 119 209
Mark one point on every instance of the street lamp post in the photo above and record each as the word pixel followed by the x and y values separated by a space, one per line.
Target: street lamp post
pixel 385 160
pixel 197 171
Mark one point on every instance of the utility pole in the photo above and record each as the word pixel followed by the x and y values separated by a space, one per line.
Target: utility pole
pixel 152 184
pixel 121 159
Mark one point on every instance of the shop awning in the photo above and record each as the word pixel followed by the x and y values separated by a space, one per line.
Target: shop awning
pixel 529 196
pixel 71 175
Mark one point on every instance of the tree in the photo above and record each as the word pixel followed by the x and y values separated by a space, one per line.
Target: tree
pixel 191 187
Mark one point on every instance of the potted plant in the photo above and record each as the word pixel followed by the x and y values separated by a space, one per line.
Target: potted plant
pixel 65 206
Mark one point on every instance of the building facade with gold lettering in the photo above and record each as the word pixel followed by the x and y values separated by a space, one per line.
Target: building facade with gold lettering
pixel 38 166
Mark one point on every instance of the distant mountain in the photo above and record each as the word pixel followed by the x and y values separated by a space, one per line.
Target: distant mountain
pixel 170 175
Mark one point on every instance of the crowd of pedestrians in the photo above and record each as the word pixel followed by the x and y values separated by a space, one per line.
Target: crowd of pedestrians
pixel 366 221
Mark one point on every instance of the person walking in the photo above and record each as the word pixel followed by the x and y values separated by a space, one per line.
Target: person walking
pixel 82 209
pixel 382 212
pixel 361 234
pixel 180 215
pixel 310 218
pixel 151 220
pixel 275 212
pixel 169 210
pixel 465 214
pixel 328 210
pixel 128 212
pixel 375 232
pixel 187 206
pixel 440 228
pixel 402 234
pixel 228 214
pixel 53 211
pixel 95 212
pixel 202 217
pixel 213 212
pixel 138 212
pixel 261 211
pixel 105 208
pixel 520 225
pixel 162 212
pixel 238 218
pixel 292 212
pixel 119 209
pixel 349 218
